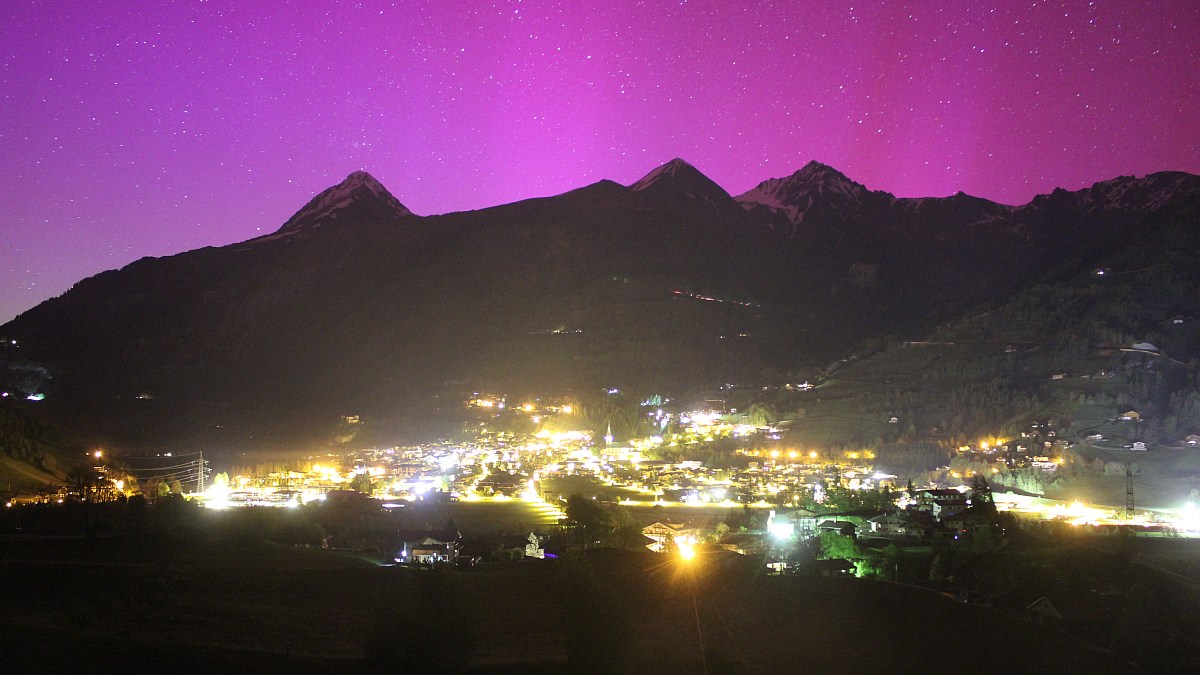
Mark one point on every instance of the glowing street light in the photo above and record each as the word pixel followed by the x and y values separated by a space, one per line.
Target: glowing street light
pixel 686 552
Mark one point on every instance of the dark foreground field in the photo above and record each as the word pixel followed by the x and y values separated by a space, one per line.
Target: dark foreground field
pixel 157 602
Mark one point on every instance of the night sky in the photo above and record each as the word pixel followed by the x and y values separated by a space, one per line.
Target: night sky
pixel 149 128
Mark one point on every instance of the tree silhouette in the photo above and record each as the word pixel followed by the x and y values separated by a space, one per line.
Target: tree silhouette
pixel 587 513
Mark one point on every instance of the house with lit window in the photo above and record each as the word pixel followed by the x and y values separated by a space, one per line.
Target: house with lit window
pixel 428 547
pixel 663 535
pixel 941 503
pixel 743 543
pixel 842 527
pixel 798 522
pixel 899 525
pixel 966 524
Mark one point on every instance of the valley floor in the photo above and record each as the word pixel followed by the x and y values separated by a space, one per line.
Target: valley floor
pixel 109 605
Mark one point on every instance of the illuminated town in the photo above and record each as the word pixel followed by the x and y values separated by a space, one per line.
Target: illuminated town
pixel 600 337
pixel 542 468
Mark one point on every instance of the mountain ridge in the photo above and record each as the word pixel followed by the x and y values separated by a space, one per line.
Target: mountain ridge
pixel 674 285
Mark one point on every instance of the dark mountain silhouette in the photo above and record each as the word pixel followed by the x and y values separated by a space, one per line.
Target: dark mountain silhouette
pixel 356 305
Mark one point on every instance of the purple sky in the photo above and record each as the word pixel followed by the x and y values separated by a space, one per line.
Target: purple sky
pixel 138 128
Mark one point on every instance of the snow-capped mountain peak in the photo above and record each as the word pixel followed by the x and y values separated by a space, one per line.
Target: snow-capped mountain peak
pixel 672 169
pixel 360 196
pixel 815 170
pixel 677 179
pixel 362 179
pixel 796 193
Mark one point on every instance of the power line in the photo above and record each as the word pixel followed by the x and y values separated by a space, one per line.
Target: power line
pixel 188 471
pixel 162 468
pixel 126 458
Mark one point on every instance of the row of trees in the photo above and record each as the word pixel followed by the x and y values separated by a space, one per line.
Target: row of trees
pixel 947 557
pixel 599 524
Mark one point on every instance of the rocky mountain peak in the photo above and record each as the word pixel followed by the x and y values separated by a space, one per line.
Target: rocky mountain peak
pixel 359 197
pixel 796 193
pixel 674 169
pixel 678 178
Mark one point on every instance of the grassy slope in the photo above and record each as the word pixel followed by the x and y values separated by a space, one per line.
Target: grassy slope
pixel 18 476
pixel 277 608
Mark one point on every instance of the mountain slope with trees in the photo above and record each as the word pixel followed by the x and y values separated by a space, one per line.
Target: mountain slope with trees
pixel 358 306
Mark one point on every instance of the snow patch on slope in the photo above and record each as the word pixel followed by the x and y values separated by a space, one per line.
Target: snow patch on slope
pixel 358 187
pixel 670 169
